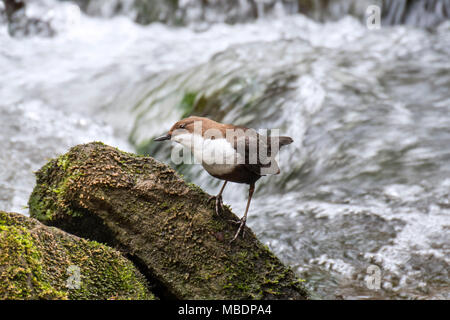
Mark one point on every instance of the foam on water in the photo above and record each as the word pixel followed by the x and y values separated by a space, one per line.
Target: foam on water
pixel 366 181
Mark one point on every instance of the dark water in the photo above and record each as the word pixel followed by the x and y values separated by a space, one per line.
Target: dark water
pixel 366 182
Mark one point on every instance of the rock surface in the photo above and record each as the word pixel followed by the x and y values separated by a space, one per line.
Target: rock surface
pixel 165 225
pixel 41 262
pixel 424 13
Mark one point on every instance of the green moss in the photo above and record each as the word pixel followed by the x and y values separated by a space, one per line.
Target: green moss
pixel 195 187
pixel 168 224
pixel 112 277
pixel 187 104
pixel 49 197
pixel 63 162
pixel 36 262
pixel 242 282
pixel 21 271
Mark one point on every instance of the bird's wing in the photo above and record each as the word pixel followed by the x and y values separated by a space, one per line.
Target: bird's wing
pixel 256 150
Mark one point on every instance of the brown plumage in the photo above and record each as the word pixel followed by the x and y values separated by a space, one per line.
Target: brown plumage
pixel 252 155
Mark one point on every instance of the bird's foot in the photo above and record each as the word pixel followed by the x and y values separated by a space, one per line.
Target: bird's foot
pixel 241 223
pixel 219 203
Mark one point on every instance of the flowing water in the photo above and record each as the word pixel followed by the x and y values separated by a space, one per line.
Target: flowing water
pixel 365 185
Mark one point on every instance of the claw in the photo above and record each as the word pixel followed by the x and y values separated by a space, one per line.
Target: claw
pixel 241 228
pixel 219 203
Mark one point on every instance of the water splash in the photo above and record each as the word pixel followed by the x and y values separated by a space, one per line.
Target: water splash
pixel 366 181
pixel 202 14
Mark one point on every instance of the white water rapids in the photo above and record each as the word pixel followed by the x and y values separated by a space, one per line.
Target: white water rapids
pixel 366 181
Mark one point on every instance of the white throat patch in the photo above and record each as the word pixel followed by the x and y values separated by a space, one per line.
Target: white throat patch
pixel 217 156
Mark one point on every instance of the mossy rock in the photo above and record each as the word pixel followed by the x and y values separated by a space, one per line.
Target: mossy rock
pixel 41 262
pixel 165 225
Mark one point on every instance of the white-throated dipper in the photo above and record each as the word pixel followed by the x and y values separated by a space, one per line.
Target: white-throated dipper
pixel 228 152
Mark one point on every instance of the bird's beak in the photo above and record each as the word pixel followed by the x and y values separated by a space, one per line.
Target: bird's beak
pixel 164 137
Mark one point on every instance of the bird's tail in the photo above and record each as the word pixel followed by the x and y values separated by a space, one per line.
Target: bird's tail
pixel 284 141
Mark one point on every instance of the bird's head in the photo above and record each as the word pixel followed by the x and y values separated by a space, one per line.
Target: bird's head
pixel 187 126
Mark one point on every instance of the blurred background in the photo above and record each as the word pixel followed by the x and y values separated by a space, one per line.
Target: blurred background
pixel 366 182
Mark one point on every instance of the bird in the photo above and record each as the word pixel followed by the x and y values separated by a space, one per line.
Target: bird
pixel 230 153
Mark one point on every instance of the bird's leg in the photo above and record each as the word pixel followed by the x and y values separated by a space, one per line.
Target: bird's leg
pixel 219 203
pixel 244 218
